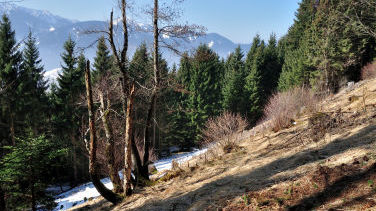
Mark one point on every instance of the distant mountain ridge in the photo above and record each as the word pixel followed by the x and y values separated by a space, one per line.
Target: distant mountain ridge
pixel 52 31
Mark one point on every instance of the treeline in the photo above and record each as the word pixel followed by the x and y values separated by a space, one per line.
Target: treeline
pixel 207 86
pixel 328 44
pixel 44 132
pixel 30 158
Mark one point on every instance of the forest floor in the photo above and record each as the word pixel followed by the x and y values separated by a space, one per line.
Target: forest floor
pixel 326 161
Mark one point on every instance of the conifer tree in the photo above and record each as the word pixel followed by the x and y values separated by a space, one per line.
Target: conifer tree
pixel 184 73
pixel 33 88
pixel 140 69
pixel 253 85
pixel 252 52
pixel 180 131
pixel 140 66
pixel 10 66
pixel 26 172
pixel 70 87
pixel 205 87
pixel 297 65
pixel 271 68
pixel 103 60
pixel 234 99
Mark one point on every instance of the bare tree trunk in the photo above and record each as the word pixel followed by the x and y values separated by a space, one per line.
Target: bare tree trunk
pixel 74 157
pixel 95 177
pixel 153 100
pixel 127 91
pixel 136 158
pixel 144 171
pixel 154 126
pixel 110 148
pixel 155 62
pixel 128 142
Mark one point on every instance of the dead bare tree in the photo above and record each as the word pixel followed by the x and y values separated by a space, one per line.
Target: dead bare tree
pixel 109 122
pixel 127 90
pixel 164 23
pixel 110 143
pixel 93 170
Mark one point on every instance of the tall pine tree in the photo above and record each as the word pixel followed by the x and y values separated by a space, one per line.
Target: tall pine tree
pixel 103 60
pixel 205 87
pixel 33 88
pixel 10 66
pixel 253 84
pixel 70 87
pixel 234 98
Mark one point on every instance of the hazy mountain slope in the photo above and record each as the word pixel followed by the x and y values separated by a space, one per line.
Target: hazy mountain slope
pixel 52 31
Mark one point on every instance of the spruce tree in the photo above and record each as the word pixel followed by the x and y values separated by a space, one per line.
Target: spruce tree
pixel 10 66
pixel 234 99
pixel 180 131
pixel 272 67
pixel 33 88
pixel 26 172
pixel 103 60
pixel 251 53
pixel 140 67
pixel 70 87
pixel 253 85
pixel 184 73
pixel 297 66
pixel 205 87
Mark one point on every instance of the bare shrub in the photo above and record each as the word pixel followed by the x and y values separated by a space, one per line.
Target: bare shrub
pixel 283 107
pixel 368 71
pixel 224 131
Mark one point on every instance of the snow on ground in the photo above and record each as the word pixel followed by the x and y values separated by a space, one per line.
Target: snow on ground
pixel 80 194
pixel 165 164
pixel 57 189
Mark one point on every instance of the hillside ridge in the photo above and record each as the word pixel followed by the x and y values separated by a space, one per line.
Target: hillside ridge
pixel 269 161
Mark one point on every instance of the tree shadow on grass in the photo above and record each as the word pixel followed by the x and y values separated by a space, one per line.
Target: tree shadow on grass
pixel 333 191
pixel 217 192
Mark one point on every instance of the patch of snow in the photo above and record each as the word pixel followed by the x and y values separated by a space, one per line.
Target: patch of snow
pixel 117 21
pixel 166 164
pixel 52 75
pixel 211 44
pixel 79 194
pixel 192 38
pixel 166 36
pixel 52 29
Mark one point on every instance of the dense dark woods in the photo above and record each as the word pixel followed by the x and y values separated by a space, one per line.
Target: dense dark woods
pixel 135 107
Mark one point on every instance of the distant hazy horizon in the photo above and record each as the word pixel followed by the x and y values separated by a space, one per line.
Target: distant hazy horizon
pixel 238 20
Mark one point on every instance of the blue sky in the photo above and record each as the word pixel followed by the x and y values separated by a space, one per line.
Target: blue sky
pixel 238 20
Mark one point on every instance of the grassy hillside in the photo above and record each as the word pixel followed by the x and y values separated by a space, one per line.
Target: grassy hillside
pixel 325 161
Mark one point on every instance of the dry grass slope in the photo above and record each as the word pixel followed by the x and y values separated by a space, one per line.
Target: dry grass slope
pixel 326 166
